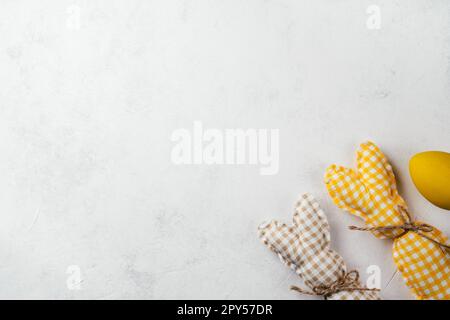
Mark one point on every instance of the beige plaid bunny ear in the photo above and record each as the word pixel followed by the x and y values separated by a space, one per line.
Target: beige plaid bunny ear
pixel 312 225
pixel 309 234
pixel 282 240
pixel 321 265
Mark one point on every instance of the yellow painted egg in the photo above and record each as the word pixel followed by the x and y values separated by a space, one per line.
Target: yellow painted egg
pixel 430 172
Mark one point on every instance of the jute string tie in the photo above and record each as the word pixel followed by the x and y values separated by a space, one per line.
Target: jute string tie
pixel 349 281
pixel 418 228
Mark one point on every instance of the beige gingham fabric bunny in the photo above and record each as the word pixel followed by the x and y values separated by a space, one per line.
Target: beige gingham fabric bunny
pixel 305 247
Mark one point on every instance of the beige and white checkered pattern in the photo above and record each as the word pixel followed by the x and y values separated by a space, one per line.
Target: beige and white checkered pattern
pixel 305 247
pixel 370 192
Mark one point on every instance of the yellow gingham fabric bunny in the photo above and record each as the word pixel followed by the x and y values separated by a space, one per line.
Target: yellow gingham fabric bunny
pixel 420 251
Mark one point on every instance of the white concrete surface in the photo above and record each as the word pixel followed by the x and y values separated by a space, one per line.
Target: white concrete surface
pixel 91 92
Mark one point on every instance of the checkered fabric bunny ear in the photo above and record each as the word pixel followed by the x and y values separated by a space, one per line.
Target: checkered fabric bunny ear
pixel 370 192
pixel 305 247
pixel 284 241
pixel 420 251
pixel 312 225
pixel 321 265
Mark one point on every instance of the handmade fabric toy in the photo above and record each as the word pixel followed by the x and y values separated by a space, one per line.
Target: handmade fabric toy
pixel 305 247
pixel 420 251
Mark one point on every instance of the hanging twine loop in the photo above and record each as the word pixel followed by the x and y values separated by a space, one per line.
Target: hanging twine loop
pixel 349 281
pixel 408 226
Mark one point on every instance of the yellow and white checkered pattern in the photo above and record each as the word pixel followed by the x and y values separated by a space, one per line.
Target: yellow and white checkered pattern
pixel 370 192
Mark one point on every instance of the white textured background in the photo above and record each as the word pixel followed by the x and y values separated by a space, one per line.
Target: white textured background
pixel 86 117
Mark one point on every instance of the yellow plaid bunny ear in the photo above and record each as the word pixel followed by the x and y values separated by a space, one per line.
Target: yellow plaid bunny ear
pixel 347 191
pixel 369 192
pixel 376 173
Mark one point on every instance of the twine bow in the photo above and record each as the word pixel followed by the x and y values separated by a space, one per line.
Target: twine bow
pixel 349 281
pixel 418 228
